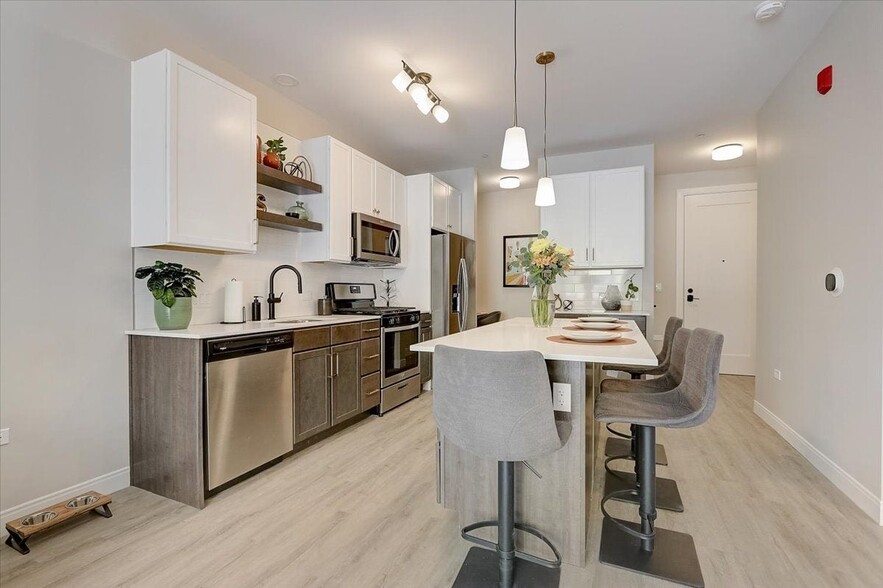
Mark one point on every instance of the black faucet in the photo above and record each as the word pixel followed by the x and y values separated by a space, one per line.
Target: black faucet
pixel 272 301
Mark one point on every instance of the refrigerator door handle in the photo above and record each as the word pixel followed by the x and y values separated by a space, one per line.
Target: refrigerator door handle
pixel 463 280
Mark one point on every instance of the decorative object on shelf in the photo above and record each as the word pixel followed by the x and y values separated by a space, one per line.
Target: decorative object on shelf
pixel 612 299
pixel 173 286
pixel 513 276
pixel 20 530
pixel 299 167
pixel 260 153
pixel 544 261
pixel 417 85
pixel 261 202
pixel 545 189
pixel 275 153
pixel 631 292
pixel 389 291
pixel 298 211
pixel 515 154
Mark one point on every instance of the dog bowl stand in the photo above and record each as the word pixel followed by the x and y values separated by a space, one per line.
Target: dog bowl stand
pixel 22 529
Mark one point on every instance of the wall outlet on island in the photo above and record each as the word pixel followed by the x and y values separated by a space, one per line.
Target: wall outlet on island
pixel 561 396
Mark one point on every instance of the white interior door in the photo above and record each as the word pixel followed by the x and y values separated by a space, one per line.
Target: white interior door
pixel 720 276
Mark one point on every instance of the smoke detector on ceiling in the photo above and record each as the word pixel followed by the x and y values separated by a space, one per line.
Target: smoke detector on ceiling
pixel 768 9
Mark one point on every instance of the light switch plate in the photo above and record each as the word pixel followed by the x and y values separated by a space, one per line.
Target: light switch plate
pixel 777 374
pixel 4 436
pixel 561 397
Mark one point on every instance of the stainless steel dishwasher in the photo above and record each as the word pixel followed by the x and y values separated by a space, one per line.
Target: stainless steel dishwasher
pixel 248 391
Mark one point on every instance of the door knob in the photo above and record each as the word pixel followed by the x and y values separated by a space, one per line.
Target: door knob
pixel 691 298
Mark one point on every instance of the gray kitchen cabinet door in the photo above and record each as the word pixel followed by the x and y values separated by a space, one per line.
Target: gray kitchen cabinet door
pixel 312 393
pixel 346 388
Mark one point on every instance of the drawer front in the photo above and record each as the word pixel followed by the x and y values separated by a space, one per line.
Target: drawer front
pixel 370 391
pixel 346 333
pixel 399 393
pixel 370 356
pixel 314 338
pixel 370 329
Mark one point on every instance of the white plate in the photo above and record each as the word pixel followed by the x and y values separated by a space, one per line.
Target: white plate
pixel 596 326
pixel 589 336
pixel 597 319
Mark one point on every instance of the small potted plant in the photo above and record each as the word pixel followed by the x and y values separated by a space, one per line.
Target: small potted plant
pixel 275 153
pixel 631 292
pixel 172 286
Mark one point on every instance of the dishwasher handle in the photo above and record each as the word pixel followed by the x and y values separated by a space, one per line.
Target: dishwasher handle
pixel 219 349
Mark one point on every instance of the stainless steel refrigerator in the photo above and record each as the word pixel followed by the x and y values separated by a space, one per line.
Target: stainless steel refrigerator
pixel 453 284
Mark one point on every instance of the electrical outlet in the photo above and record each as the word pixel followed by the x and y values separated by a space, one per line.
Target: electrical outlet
pixel 4 436
pixel 659 286
pixel 561 396
pixel 777 374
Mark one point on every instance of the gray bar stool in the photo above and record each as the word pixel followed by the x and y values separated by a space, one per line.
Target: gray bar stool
pixel 498 405
pixel 627 443
pixel 643 547
pixel 668 496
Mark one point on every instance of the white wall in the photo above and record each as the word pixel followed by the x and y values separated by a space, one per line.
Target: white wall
pixel 65 261
pixel 665 231
pixel 820 205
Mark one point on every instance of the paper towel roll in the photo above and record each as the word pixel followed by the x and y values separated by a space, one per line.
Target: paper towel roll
pixel 233 302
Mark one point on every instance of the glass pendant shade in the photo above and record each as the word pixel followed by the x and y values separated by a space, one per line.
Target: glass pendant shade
pixel 424 106
pixel 401 81
pixel 418 93
pixel 440 113
pixel 515 149
pixel 545 193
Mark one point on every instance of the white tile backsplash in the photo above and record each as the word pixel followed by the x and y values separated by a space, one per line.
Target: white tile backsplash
pixel 586 287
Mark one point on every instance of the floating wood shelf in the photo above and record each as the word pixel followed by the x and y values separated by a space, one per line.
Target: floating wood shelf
pixel 274 178
pixel 286 223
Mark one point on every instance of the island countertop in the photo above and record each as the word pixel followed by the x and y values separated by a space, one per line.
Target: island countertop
pixel 519 334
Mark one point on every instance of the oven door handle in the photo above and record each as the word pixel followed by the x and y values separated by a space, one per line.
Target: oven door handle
pixel 398 329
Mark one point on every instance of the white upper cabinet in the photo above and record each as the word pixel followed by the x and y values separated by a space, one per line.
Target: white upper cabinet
pixel 193 158
pixel 617 217
pixel 600 215
pixel 568 220
pixel 454 207
pixel 384 196
pixel 363 184
pixel 445 207
pixel 467 214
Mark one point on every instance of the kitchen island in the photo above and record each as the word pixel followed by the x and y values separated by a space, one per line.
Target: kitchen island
pixel 558 503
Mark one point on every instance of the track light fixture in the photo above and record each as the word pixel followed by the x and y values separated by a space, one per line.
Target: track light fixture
pixel 417 85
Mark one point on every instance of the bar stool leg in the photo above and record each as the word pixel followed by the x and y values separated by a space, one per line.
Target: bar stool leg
pixel 647 483
pixel 506 518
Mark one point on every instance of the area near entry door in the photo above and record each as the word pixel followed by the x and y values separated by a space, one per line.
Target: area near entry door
pixel 720 272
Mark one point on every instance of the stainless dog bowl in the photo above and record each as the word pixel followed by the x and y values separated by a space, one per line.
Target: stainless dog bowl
pixel 38 518
pixel 81 501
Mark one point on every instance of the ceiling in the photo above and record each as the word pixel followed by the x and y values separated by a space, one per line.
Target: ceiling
pixel 626 73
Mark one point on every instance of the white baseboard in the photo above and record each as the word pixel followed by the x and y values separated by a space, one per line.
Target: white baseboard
pixel 861 496
pixel 106 484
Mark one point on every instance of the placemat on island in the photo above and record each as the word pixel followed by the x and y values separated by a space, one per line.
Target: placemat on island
pixel 620 341
pixel 622 329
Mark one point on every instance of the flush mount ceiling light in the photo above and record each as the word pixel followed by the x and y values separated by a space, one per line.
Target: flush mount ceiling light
pixel 545 188
pixel 768 9
pixel 417 85
pixel 515 154
pixel 727 152
pixel 287 80
pixel 510 182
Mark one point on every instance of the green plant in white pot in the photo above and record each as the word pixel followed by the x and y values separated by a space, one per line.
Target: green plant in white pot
pixel 631 292
pixel 173 286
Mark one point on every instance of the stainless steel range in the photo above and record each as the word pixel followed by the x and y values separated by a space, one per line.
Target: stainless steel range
pixel 399 329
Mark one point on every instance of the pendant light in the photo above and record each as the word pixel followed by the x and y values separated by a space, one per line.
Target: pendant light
pixel 515 143
pixel 545 189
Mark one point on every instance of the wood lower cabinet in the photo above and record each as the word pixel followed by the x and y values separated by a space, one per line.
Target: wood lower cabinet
pixel 345 382
pixel 370 391
pixel 312 393
pixel 370 356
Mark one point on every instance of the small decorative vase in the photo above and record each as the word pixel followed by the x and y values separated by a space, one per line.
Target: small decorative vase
pixel 542 305
pixel 272 160
pixel 298 211
pixel 176 317
pixel 612 298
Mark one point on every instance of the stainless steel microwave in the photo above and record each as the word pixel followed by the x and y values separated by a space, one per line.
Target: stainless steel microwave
pixel 376 241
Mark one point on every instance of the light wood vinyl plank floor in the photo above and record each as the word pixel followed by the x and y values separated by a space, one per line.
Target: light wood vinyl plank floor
pixel 358 509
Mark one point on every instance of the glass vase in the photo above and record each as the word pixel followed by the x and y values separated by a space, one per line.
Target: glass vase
pixel 612 298
pixel 542 305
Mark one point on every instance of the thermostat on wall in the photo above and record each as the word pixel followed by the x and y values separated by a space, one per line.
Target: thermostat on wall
pixel 834 282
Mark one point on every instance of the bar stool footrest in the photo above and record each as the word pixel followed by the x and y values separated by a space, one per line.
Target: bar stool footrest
pixel 624 447
pixel 673 557
pixel 481 569
pixel 668 497
pixel 549 563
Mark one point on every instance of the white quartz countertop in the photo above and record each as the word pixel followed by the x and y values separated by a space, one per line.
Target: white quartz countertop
pixel 602 312
pixel 519 334
pixel 213 330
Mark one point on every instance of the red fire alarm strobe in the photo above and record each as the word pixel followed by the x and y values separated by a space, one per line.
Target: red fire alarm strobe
pixel 825 80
